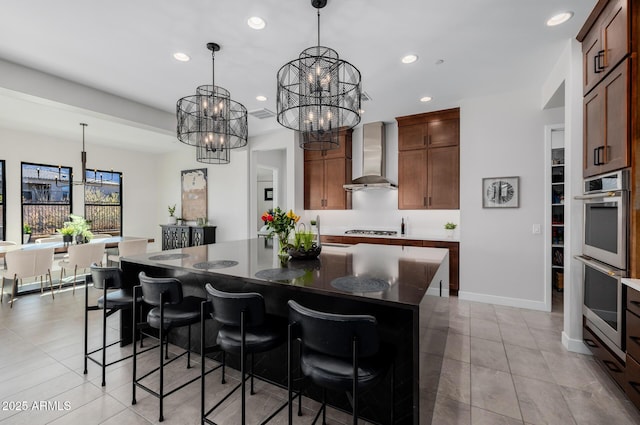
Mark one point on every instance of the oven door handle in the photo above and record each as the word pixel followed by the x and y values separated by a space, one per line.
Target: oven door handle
pixel 598 266
pixel 598 196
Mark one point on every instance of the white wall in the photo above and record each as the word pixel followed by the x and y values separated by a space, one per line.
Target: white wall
pixel 501 260
pixel 227 196
pixel 139 177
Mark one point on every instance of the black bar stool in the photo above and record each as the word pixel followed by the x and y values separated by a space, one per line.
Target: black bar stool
pixel 109 281
pixel 170 310
pixel 245 328
pixel 340 352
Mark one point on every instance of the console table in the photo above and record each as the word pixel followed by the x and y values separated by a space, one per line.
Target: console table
pixel 176 236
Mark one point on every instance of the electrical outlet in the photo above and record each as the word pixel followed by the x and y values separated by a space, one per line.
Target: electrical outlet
pixel 536 229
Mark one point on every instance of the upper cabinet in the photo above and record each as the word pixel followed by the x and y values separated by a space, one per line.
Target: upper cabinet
pixel 608 88
pixel 606 42
pixel 324 174
pixel 429 160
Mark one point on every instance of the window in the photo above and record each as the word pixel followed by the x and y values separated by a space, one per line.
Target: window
pixel 103 201
pixel 3 219
pixel 46 197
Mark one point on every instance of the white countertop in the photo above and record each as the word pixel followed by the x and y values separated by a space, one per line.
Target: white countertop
pixel 412 236
pixel 631 283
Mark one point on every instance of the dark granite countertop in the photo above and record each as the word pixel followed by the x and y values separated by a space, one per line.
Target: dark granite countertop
pixel 382 273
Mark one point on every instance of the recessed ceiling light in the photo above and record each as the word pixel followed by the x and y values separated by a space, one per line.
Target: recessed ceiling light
pixel 439 61
pixel 425 99
pixel 409 59
pixel 182 57
pixel 261 98
pixel 558 19
pixel 256 22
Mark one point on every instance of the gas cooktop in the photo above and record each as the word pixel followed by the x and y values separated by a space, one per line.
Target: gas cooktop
pixel 372 232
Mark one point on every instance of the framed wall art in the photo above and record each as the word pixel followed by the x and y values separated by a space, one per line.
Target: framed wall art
pixel 268 194
pixel 194 194
pixel 500 192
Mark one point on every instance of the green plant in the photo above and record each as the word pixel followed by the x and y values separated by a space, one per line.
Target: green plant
pixel 450 226
pixel 66 231
pixel 303 240
pixel 26 229
pixel 79 225
pixel 172 210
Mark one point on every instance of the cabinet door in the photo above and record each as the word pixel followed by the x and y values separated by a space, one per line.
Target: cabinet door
pixel 593 133
pixel 443 133
pixel 615 38
pixel 411 137
pixel 314 185
pixel 593 60
pixel 344 151
pixel 616 117
pixel 337 172
pixel 412 179
pixel 443 178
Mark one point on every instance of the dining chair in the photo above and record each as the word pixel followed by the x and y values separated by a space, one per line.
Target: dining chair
pixel 81 257
pixel 7 243
pixel 22 264
pixel 128 248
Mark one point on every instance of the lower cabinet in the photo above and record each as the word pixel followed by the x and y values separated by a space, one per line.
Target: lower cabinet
pixel 174 236
pixel 611 363
pixel 453 247
pixel 632 339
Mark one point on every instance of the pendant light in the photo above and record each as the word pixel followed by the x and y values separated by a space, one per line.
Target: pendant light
pixel 318 95
pixel 211 121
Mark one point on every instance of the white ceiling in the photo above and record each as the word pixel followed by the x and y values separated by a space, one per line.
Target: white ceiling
pixel 125 48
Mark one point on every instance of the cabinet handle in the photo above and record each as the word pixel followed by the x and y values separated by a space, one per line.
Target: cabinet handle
pixel 429 200
pixel 635 303
pixel 598 66
pixel 590 343
pixel 611 366
pixel 424 201
pixel 429 140
pixel 634 338
pixel 635 386
pixel 597 160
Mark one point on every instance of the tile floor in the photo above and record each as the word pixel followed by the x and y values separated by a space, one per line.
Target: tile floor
pixel 501 366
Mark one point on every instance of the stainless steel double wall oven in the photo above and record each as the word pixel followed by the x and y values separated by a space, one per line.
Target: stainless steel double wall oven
pixel 605 255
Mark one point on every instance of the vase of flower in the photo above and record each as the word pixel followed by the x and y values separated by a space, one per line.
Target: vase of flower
pixel 280 224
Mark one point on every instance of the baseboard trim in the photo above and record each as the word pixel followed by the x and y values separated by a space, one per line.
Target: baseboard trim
pixel 575 345
pixel 506 301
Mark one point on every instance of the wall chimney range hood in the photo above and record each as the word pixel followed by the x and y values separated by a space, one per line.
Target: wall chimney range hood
pixel 373 160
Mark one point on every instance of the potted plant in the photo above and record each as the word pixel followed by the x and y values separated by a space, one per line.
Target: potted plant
pixel 26 233
pixel 449 228
pixel 304 245
pixel 81 228
pixel 172 217
pixel 67 234
pixel 281 223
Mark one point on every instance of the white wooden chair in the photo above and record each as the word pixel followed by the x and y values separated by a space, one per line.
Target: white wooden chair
pixel 7 243
pixel 101 236
pixel 22 264
pixel 128 248
pixel 81 257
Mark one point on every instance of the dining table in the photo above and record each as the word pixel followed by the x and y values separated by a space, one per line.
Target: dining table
pixel 62 247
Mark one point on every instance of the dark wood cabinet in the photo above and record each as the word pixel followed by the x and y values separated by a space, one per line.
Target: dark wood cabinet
pixel 608 40
pixel 605 43
pixel 429 160
pixel 325 172
pixel 175 236
pixel 606 123
pixel 609 361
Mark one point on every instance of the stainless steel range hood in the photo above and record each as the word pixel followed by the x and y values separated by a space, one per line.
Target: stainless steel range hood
pixel 373 160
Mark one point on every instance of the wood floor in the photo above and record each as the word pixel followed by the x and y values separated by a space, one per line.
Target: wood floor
pixel 501 366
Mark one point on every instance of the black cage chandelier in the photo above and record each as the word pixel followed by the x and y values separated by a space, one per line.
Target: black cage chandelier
pixel 211 121
pixel 318 95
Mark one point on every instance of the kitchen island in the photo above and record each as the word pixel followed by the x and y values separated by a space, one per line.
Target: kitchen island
pixel 401 286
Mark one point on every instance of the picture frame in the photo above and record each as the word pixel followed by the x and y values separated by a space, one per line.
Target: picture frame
pixel 194 194
pixel 268 194
pixel 501 192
